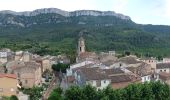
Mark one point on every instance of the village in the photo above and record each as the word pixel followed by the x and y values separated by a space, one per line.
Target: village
pixel 22 69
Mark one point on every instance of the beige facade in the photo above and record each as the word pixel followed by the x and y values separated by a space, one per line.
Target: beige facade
pixel 26 57
pixel 151 62
pixel 3 59
pixel 46 64
pixel 8 84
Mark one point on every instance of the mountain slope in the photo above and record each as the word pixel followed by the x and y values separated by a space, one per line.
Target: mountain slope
pixel 52 31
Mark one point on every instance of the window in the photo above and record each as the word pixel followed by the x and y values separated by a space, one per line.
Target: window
pixel 80 49
pixel 144 78
pixel 165 70
pixel 160 70
pixel 104 81
pixel 148 78
pixel 120 64
pixel 1 89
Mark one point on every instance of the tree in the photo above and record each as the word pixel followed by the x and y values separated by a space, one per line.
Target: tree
pixel 56 94
pixel 160 58
pixel 35 93
pixel 127 53
pixel 60 67
pixel 74 93
pixel 140 91
pixel 89 92
pixel 13 97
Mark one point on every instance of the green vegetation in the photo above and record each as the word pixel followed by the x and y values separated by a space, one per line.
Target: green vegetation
pixel 35 93
pixel 13 97
pixel 55 34
pixel 146 91
pixel 56 94
pixel 60 67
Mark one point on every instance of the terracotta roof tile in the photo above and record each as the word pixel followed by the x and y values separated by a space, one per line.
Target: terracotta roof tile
pixel 8 75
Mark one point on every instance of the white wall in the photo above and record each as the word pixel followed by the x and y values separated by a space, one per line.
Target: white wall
pixel 167 70
pixel 104 83
pixel 3 54
pixel 80 64
pixel 146 78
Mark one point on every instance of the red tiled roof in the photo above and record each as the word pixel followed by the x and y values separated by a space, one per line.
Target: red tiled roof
pixel 87 54
pixel 8 75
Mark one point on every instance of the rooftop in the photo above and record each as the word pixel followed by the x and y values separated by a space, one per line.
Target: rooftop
pixel 129 60
pixel 162 65
pixel 8 75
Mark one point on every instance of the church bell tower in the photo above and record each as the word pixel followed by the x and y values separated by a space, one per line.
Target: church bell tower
pixel 81 45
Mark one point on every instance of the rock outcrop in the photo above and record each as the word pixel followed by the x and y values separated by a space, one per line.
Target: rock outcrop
pixel 66 13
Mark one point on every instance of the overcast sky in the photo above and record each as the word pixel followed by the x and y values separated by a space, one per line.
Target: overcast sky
pixel 140 11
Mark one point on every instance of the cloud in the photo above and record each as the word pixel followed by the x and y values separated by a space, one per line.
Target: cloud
pixel 168 8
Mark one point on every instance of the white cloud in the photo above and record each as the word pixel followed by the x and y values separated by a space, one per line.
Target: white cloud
pixel 168 8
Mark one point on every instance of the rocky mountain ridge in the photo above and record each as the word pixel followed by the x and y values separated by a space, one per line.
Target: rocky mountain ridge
pixel 66 13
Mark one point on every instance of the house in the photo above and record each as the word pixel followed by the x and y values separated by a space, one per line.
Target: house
pixel 101 78
pixel 18 55
pixel 121 81
pixel 151 61
pixel 26 56
pixel 163 67
pixel 164 77
pixel 144 70
pixel 8 84
pixel 23 56
pixel 92 76
pixel 5 55
pixel 46 64
pixel 121 77
pixel 28 73
pixel 166 60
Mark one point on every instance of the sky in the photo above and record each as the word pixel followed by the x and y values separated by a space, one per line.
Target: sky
pixel 155 12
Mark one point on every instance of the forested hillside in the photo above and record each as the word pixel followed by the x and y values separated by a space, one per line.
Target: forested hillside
pixel 54 34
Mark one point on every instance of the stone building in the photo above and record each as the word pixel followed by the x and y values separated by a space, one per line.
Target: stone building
pixel 28 73
pixel 163 67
